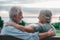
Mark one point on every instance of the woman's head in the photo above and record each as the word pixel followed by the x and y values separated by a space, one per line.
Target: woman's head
pixel 45 16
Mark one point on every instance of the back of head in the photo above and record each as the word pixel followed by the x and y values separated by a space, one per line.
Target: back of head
pixel 46 14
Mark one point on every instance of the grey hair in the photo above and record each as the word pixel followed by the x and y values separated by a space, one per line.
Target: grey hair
pixel 46 14
pixel 14 11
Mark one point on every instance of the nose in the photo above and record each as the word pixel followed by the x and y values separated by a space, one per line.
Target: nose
pixel 21 17
pixel 38 17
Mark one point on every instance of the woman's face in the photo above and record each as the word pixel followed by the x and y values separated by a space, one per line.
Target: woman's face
pixel 41 19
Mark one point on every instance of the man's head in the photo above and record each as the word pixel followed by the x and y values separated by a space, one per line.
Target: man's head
pixel 15 14
pixel 45 16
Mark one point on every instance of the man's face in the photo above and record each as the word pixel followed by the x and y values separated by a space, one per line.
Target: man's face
pixel 18 17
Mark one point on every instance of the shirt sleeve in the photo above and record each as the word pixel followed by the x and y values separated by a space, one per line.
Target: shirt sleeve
pixel 54 29
pixel 37 28
pixel 20 34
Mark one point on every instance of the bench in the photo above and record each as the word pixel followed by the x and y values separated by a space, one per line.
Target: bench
pixel 8 37
pixel 52 38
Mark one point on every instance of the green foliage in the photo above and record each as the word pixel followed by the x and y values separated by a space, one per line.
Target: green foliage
pixel 23 23
pixel 1 23
pixel 56 24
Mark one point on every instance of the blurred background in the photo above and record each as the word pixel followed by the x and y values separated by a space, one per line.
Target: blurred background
pixel 31 10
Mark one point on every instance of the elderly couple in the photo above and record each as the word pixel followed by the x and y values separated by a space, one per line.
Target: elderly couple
pixel 43 30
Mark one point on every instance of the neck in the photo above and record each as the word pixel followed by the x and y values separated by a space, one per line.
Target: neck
pixel 42 22
pixel 15 21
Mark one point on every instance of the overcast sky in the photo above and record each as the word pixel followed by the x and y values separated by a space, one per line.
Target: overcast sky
pixel 30 6
pixel 24 1
pixel 19 1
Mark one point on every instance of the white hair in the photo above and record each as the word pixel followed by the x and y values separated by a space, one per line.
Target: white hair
pixel 46 14
pixel 14 11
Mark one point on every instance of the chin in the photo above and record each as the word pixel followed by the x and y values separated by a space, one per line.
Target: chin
pixel 18 21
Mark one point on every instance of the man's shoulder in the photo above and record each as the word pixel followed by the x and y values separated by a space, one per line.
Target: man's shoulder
pixel 7 27
pixel 10 29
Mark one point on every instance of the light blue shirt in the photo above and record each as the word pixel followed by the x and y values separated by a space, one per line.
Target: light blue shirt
pixel 9 30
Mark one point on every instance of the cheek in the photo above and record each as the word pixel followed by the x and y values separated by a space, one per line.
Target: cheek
pixel 40 18
pixel 19 18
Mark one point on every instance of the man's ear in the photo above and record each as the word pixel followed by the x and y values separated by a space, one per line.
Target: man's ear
pixel 14 17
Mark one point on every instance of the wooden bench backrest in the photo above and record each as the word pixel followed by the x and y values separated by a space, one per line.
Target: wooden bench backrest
pixel 8 37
